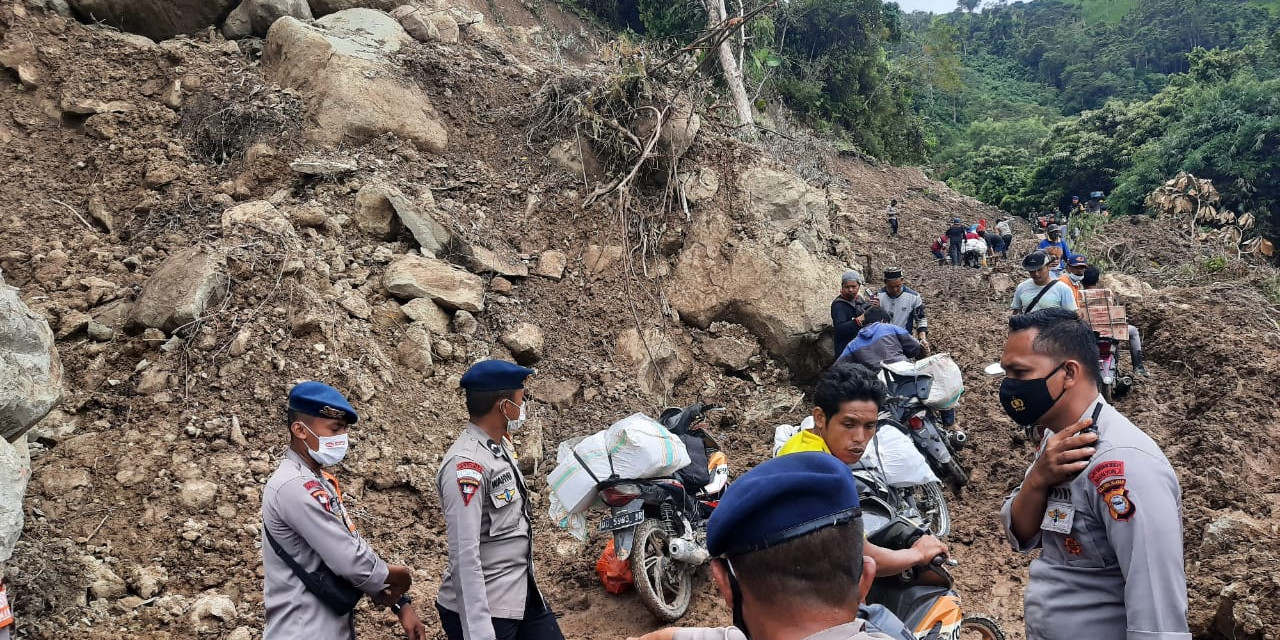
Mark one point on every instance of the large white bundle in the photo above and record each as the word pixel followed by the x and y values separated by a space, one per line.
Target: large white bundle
pixel 948 382
pixel 635 447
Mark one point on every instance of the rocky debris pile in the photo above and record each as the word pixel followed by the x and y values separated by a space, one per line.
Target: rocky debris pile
pixel 1195 202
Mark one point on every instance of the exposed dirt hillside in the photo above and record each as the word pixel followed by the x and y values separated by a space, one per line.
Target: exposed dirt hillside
pixel 142 515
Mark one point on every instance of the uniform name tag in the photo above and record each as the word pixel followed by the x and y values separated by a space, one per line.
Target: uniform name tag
pixel 1059 514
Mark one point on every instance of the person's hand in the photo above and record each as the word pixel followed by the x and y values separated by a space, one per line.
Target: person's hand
pixel 862 318
pixel 929 547
pixel 924 343
pixel 413 627
pixel 874 300
pixel 1065 455
pixel 398 582
pixel 661 634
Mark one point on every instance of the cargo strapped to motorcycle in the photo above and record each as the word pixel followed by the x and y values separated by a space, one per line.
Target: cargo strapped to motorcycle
pixel 586 467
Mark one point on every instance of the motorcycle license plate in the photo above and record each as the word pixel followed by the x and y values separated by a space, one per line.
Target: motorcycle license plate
pixel 622 521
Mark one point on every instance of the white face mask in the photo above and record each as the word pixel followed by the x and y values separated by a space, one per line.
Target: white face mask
pixel 1075 278
pixel 515 425
pixel 332 448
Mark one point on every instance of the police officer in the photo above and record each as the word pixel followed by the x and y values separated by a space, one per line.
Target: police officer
pixel 1104 507
pixel 787 539
pixel 488 591
pixel 306 530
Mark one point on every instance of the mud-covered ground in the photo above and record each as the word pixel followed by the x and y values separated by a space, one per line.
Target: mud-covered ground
pixel 109 466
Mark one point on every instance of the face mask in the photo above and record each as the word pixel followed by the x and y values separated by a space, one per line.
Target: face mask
pixel 1075 278
pixel 1026 401
pixel 739 620
pixel 515 425
pixel 332 448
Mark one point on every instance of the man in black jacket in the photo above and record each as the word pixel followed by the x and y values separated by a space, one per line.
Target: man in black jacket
pixel 955 241
pixel 848 309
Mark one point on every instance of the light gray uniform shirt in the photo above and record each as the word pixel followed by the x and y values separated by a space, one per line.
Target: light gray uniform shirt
pixel 1059 296
pixel 1117 572
pixel 303 511
pixel 906 310
pixel 855 630
pixel 490 534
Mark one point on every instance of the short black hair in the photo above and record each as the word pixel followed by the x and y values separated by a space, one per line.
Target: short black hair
pixel 1091 276
pixel 1061 335
pixel 846 382
pixel 822 567
pixel 874 315
pixel 293 415
pixel 482 402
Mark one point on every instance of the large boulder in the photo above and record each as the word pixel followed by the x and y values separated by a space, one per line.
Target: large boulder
pixel 326 7
pixel 423 277
pixel 155 19
pixel 255 17
pixel 787 204
pixel 656 360
pixel 30 370
pixel 351 88
pixel 779 292
pixel 180 291
pixel 15 471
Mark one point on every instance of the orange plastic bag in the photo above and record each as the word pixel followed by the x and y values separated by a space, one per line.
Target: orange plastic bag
pixel 614 574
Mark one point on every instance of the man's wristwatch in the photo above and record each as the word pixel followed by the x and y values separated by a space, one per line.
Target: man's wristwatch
pixel 404 599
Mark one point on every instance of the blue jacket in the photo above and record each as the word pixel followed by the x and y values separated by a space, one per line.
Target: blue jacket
pixel 880 343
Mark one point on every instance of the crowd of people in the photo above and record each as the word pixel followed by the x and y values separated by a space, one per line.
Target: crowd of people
pixel 1099 501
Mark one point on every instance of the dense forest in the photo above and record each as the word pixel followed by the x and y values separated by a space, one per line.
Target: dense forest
pixel 1020 104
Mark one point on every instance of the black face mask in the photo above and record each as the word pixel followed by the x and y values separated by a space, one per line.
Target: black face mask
pixel 738 620
pixel 1026 401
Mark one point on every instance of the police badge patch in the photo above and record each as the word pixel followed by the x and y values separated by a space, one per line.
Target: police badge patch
pixel 1119 504
pixel 470 476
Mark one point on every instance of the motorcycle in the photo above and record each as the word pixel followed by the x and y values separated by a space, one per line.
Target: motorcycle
pixel 1114 384
pixel 922 597
pixel 659 525
pixel 905 410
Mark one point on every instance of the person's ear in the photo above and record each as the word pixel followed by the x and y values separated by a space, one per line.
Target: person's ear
pixel 1072 372
pixel 720 574
pixel 868 576
pixel 298 430
pixel 819 419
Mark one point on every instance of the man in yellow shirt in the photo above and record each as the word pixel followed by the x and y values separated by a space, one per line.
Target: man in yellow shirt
pixel 847 400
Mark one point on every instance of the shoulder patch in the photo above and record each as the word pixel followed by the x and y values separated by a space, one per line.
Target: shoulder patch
pixel 319 494
pixel 1119 504
pixel 1105 470
pixel 470 475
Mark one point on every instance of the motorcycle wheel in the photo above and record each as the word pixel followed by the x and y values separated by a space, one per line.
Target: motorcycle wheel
pixel 664 584
pixel 977 627
pixel 933 508
pixel 1108 390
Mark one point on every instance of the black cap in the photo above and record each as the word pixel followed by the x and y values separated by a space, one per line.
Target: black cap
pixel 1035 261
pixel 893 273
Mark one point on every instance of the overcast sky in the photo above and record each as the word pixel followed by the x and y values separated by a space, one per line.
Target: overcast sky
pixel 936 6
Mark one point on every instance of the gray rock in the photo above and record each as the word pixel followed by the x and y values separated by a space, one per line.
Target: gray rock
pixel 326 7
pixel 656 360
pixel 324 166
pixel 180 291
pixel 353 90
pixel 100 332
pixel 557 392
pixel 465 323
pixel 148 582
pixel 551 264
pixel 30 369
pixel 415 21
pixel 598 259
pixel 356 305
pixel 381 209
pixel 103 582
pixel 198 493
pixel 423 277
pixel 259 15
pixel 211 611
pixel 525 342
pixel 260 215
pixel 427 313
pixel 15 471
pixel 414 350
pixel 155 19
pixel 731 353
pixel 487 261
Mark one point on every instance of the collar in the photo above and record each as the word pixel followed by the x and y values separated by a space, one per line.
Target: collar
pixel 290 454
pixel 494 446
pixel 841 632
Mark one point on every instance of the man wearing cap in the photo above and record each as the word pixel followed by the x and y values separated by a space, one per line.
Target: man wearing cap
pixel 955 241
pixel 1074 277
pixel 306 531
pixel 848 309
pixel 1041 291
pixel 1054 239
pixel 906 310
pixel 787 539
pixel 892 213
pixel 488 591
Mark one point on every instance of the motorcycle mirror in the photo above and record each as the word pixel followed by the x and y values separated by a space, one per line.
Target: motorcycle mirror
pixel 994 369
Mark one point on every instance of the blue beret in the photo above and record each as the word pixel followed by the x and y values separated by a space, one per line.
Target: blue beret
pixel 780 500
pixel 495 375
pixel 321 400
